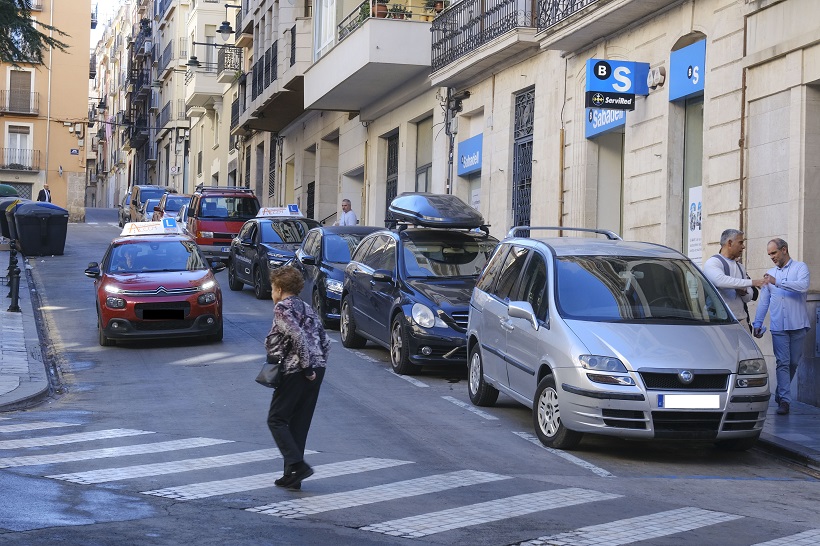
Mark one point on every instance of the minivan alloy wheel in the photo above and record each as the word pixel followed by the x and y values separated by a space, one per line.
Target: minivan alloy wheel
pixel 399 350
pixel 546 415
pixel 481 393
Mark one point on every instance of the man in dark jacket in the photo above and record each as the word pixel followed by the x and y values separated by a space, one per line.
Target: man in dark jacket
pixel 44 194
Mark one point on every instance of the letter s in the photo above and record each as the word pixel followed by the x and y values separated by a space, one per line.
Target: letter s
pixel 695 75
pixel 622 75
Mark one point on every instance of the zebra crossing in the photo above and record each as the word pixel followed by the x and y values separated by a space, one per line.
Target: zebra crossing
pixel 43 446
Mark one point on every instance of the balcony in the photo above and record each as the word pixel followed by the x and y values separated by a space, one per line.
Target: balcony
pixel 573 25
pixel 164 10
pixel 228 64
pixel 138 133
pixel 165 59
pixel 19 102
pixel 93 13
pixel 19 159
pixel 468 46
pixel 243 36
pixel 92 66
pixel 171 116
pixel 371 58
pixel 202 87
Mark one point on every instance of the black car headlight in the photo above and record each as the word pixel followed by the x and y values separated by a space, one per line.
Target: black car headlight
pixel 334 286
pixel 425 317
pixel 278 260
pixel 205 299
pixel 114 303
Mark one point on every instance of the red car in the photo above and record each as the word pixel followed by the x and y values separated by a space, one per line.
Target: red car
pixel 154 282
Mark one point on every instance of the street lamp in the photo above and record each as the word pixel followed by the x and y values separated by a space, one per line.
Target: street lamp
pixel 225 28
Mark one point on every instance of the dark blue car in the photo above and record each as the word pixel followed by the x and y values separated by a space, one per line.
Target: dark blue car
pixel 408 288
pixel 322 258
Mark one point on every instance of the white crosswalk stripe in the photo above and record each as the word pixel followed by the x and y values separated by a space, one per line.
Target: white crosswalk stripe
pixel 34 425
pixel 159 447
pixel 71 438
pixel 423 525
pixel 627 531
pixel 807 538
pixel 261 481
pixel 380 493
pixel 172 467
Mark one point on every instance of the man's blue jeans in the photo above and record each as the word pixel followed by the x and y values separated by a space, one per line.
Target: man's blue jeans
pixel 788 350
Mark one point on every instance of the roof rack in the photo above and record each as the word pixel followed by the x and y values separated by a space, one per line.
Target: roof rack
pixel 203 188
pixel 611 235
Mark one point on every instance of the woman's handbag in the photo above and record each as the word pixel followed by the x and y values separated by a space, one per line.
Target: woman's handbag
pixel 271 374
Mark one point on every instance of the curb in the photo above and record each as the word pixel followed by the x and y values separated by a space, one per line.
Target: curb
pixel 789 450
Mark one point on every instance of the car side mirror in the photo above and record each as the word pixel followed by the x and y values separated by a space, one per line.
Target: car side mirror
pixel 217 266
pixel 308 260
pixel 93 270
pixel 245 242
pixel 383 275
pixel 523 310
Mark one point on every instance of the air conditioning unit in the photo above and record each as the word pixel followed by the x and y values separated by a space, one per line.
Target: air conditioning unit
pixel 154 100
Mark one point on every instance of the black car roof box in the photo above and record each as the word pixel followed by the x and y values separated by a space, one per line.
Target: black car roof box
pixel 435 210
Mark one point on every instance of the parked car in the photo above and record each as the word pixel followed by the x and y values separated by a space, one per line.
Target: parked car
pixel 408 288
pixel 140 193
pixel 124 210
pixel 612 337
pixel 215 216
pixel 153 282
pixel 322 257
pixel 264 243
pixel 149 209
pixel 169 206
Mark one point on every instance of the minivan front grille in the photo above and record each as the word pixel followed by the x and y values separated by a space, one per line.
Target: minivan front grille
pixel 671 381
pixel 460 319
pixel 701 425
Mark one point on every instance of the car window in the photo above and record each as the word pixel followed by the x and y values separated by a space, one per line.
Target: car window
pixel 285 231
pixel 151 193
pixel 362 250
pixel 230 207
pixel 510 272
pixel 387 259
pixel 619 288
pixel 175 202
pixel 446 257
pixel 374 256
pixel 534 285
pixel 312 244
pixel 141 257
pixel 488 277
pixel 339 248
pixel 245 232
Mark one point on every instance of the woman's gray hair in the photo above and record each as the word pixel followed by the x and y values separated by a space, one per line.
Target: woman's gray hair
pixel 729 234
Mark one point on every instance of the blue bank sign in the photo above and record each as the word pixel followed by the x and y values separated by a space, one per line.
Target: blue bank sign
pixel 469 155
pixel 687 71
pixel 601 121
pixel 614 84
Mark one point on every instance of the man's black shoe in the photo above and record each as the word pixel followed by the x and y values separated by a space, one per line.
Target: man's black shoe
pixel 300 471
pixel 783 408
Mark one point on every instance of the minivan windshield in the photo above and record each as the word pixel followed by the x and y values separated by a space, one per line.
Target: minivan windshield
pixel 447 256
pixel 636 289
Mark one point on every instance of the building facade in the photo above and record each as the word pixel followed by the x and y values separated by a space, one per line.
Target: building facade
pixel 43 109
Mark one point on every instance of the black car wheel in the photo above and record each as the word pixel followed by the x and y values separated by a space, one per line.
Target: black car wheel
pixel 260 287
pixel 347 328
pixel 399 350
pixel 546 416
pixel 319 307
pixel 481 393
pixel 233 281
pixel 104 341
pixel 217 337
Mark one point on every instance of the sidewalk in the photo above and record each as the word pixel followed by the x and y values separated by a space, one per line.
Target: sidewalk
pixel 24 382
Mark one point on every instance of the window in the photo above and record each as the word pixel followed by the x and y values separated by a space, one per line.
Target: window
pixel 18 152
pixel 491 272
pixel 363 250
pixel 535 286
pixel 510 272
pixel 20 97
pixel 424 153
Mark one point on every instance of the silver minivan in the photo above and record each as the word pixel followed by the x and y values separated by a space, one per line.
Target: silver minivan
pixel 612 337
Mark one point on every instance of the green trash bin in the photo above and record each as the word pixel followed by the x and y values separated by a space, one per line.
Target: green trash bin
pixel 8 191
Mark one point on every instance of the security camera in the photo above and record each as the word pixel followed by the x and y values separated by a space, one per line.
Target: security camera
pixel 460 95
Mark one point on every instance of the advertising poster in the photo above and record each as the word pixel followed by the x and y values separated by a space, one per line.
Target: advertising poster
pixel 695 246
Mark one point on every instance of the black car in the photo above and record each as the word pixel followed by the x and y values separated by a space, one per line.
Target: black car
pixel 263 244
pixel 322 258
pixel 408 288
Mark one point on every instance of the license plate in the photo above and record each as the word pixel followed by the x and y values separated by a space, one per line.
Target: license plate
pixel 226 249
pixel 689 401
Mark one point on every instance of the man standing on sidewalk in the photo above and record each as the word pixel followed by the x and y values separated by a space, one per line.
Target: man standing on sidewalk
pixel 784 294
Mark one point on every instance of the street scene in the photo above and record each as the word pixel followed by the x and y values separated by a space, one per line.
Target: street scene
pixel 479 272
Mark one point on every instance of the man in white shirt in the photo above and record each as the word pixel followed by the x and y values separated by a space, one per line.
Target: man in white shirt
pixel 728 275
pixel 348 217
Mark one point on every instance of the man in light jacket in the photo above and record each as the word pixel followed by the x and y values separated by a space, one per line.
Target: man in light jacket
pixel 729 277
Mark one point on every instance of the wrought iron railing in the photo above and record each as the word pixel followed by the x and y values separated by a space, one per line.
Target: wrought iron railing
pixel 19 102
pixel 167 56
pixel 264 71
pixel 404 11
pixel 229 58
pixel 293 45
pixel 552 12
pixel 19 159
pixel 235 113
pixel 469 24
pixel 165 115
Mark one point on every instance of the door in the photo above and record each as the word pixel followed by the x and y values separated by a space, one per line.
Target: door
pixel 361 276
pixel 524 343
pixel 245 251
pixel 311 247
pixel 497 321
pixel 382 293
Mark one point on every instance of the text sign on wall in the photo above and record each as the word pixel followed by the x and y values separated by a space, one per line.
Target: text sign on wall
pixel 687 71
pixel 614 84
pixel 469 155
pixel 601 121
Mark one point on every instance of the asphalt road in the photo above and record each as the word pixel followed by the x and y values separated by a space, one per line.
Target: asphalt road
pixel 162 443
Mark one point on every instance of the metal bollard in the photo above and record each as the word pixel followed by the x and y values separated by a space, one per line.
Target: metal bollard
pixel 14 283
pixel 12 262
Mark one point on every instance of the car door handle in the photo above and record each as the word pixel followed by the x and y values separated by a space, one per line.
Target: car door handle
pixel 507 325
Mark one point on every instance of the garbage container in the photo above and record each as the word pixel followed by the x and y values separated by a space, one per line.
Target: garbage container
pixel 6 190
pixel 4 223
pixel 41 228
pixel 9 206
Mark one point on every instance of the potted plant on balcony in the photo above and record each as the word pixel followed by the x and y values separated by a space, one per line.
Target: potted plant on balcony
pixel 399 11
pixel 435 5
pixel 380 8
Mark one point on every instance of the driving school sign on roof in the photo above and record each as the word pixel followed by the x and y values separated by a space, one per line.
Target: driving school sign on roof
pixel 614 84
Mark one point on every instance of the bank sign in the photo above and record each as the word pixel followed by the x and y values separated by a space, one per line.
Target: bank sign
pixel 614 84
pixel 602 121
pixel 469 155
pixel 687 71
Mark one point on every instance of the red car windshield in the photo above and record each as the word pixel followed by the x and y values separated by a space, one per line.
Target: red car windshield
pixel 155 256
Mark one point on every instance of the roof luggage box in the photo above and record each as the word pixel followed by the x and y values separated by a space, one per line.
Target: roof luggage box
pixel 435 210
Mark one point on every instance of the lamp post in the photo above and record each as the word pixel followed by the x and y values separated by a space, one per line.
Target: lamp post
pixel 225 28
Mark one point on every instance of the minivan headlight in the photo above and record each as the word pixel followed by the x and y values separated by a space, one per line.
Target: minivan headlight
pixel 334 286
pixel 753 366
pixel 424 316
pixel 602 363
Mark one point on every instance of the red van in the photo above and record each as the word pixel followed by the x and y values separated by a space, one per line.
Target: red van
pixel 216 214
